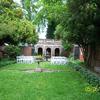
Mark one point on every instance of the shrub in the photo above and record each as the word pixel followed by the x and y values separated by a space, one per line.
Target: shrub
pixel 91 77
pixel 5 62
pixel 12 51
pixel 39 57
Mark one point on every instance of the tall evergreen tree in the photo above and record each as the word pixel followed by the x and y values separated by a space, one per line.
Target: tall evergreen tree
pixel 51 29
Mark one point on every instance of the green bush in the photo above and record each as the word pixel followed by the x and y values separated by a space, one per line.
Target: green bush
pixel 91 77
pixel 12 51
pixel 39 57
pixel 5 62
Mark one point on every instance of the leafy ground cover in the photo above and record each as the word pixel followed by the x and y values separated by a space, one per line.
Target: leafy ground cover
pixel 6 62
pixel 67 85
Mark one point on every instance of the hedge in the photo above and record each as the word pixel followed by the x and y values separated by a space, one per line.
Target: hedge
pixel 4 63
pixel 91 77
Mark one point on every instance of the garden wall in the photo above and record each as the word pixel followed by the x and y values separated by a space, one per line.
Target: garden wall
pixel 27 51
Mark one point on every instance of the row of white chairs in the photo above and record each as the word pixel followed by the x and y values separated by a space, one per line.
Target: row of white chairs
pixel 58 60
pixel 25 59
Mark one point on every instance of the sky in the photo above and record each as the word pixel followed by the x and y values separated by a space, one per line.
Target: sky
pixel 18 1
pixel 42 34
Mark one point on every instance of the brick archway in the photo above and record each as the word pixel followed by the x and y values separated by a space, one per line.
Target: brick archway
pixel 48 52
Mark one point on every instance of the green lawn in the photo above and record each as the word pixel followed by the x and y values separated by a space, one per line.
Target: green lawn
pixel 16 84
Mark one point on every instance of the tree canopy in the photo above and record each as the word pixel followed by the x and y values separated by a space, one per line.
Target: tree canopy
pixel 81 21
pixel 30 9
pixel 14 28
pixel 50 11
pixel 80 25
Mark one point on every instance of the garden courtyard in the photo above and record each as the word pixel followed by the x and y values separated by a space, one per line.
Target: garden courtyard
pixel 62 83
pixel 34 31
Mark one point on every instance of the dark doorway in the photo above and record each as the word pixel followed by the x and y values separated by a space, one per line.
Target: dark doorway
pixel 57 52
pixel 48 52
pixel 40 51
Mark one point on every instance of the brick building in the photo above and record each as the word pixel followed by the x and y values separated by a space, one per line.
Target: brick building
pixel 44 47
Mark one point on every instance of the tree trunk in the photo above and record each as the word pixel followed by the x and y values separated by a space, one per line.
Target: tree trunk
pixel 89 55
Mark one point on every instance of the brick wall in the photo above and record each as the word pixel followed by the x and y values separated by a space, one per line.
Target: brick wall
pixel 27 51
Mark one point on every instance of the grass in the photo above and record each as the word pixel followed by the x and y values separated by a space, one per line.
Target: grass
pixel 18 85
pixel 35 65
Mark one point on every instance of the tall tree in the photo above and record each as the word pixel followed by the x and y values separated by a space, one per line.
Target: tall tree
pixel 52 11
pixel 29 8
pixel 13 28
pixel 81 24
pixel 51 29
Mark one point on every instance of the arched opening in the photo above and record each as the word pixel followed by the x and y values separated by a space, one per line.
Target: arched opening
pixel 57 52
pixel 40 51
pixel 48 52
